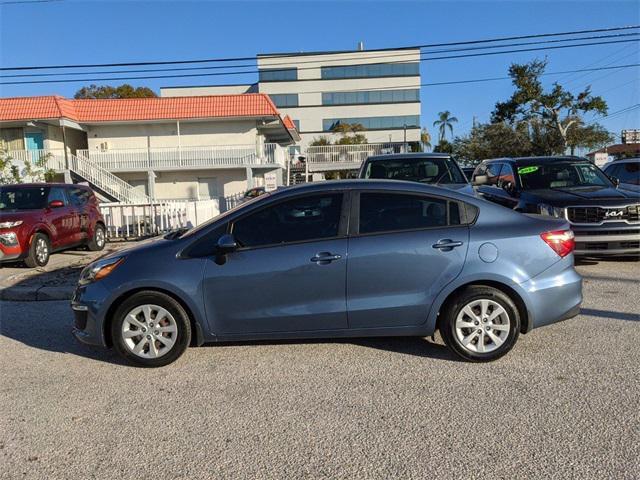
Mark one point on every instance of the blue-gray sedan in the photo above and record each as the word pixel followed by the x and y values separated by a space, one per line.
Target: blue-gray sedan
pixel 336 259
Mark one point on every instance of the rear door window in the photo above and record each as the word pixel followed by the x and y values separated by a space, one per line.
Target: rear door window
pixel 57 193
pixel 389 212
pixel 79 197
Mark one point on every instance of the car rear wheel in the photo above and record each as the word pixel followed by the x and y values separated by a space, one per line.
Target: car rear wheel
pixel 480 324
pixel 97 242
pixel 39 251
pixel 150 329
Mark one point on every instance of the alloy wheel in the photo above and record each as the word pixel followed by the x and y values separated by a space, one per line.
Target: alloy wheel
pixel 482 326
pixel 149 331
pixel 100 237
pixel 42 251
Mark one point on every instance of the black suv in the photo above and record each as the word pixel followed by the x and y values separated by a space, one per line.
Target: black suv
pixel 605 219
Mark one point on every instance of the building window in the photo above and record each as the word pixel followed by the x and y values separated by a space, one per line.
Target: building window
pixel 371 96
pixel 297 124
pixel 374 123
pixel 373 70
pixel 284 99
pixel 278 74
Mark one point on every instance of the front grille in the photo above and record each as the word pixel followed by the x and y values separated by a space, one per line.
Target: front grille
pixel 600 214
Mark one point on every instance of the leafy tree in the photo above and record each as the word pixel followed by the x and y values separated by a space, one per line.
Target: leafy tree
pixel 425 139
pixel 556 108
pixel 350 133
pixel 445 121
pixel 444 147
pixel 492 140
pixel 9 172
pixel 591 137
pixel 320 142
pixel 38 171
pixel 107 91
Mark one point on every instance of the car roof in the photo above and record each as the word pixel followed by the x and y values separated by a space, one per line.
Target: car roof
pixel 624 160
pixel 407 156
pixel 538 160
pixel 376 184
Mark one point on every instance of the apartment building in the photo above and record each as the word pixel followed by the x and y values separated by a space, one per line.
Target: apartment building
pixel 138 149
pixel 378 89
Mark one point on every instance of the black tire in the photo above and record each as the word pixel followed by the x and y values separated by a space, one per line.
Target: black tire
pixel 35 257
pixel 480 331
pixel 181 341
pixel 98 240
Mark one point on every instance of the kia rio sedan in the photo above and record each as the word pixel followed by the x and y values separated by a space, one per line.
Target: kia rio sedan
pixel 341 259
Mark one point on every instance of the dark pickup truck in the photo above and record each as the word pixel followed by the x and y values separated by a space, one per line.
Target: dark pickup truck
pixel 604 218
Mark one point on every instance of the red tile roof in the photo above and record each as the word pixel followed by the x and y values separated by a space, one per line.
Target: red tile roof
pixel 288 123
pixel 137 109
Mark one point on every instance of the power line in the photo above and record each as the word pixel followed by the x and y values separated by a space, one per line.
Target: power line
pixel 148 77
pixel 290 64
pixel 230 59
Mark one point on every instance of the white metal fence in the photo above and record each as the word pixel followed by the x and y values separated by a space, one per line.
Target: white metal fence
pixel 346 157
pixel 137 220
pixel 181 157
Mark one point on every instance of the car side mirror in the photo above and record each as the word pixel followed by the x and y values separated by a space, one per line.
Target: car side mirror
pixel 227 244
pixel 56 204
pixel 479 180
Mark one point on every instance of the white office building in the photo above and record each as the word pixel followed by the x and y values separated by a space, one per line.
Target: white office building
pixel 378 89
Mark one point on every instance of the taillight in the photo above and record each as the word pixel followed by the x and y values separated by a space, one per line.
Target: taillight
pixel 562 241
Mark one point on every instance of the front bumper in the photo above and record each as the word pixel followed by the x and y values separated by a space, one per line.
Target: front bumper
pixel 607 240
pixel 10 254
pixel 86 303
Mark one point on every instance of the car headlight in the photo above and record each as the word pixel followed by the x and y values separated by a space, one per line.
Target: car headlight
pixel 9 239
pixel 99 270
pixel 10 224
pixel 550 211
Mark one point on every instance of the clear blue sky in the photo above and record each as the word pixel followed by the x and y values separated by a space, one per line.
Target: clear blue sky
pixel 67 32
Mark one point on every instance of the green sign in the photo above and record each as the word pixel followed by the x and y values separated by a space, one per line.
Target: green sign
pixel 525 170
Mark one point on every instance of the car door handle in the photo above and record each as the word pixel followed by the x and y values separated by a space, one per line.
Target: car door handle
pixel 324 258
pixel 446 245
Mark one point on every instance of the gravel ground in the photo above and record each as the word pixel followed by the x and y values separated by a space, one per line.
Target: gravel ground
pixel 565 403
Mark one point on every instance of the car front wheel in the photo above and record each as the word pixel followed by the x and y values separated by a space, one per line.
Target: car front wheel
pixel 481 324
pixel 39 251
pixel 150 329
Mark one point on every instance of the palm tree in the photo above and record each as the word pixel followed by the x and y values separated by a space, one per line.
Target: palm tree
pixel 445 120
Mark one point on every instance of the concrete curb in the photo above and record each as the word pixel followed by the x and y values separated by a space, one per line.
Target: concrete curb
pixel 36 294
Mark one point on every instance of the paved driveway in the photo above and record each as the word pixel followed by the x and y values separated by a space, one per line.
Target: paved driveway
pixel 563 404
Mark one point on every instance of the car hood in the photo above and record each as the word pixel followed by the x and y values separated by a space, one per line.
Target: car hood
pixel 585 196
pixel 15 215
pixel 141 246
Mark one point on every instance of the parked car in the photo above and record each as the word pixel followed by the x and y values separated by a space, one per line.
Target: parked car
pixel 41 218
pixel 604 218
pixel 336 259
pixel 429 168
pixel 626 171
pixel 468 172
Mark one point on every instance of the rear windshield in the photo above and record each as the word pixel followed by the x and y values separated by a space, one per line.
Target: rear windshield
pixel 561 175
pixel 23 198
pixel 423 170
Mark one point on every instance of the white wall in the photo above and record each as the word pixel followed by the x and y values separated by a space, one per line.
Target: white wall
pixel 207 90
pixel 156 135
pixel 184 184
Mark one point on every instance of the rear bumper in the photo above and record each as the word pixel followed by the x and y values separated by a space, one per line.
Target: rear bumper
pixel 554 295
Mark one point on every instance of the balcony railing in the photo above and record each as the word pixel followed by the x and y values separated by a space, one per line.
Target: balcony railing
pixel 185 157
pixel 54 158
pixel 346 157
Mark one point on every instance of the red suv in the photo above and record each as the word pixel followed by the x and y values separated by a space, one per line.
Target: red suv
pixel 41 218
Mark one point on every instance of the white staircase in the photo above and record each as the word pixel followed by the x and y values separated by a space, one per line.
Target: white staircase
pixel 105 181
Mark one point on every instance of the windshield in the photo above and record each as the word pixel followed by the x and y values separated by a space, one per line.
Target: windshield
pixel 424 170
pixel 628 173
pixel 561 175
pixel 23 198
